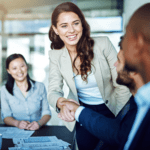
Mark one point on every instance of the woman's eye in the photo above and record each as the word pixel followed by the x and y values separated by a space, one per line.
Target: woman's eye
pixel 64 26
pixel 14 68
pixel 76 23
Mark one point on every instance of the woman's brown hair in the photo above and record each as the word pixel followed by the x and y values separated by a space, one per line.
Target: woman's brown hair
pixel 85 44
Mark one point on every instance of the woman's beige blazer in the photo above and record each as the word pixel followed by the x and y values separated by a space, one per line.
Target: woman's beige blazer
pixel 115 96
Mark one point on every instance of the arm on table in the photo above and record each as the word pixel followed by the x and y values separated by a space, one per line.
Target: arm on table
pixel 45 111
pixel 19 124
pixel 6 112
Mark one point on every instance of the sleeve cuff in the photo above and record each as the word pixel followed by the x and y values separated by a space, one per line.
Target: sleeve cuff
pixel 46 113
pixel 78 112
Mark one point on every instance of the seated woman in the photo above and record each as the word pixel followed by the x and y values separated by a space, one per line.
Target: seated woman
pixel 23 101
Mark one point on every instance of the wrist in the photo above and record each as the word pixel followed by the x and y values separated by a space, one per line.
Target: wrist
pixel 39 123
pixel 16 123
pixel 61 99
pixel 76 108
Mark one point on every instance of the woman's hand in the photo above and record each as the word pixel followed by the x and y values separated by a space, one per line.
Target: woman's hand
pixel 65 114
pixel 33 126
pixel 23 124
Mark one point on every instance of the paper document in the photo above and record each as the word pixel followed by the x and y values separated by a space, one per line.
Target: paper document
pixel 41 148
pixel 35 139
pixel 14 132
pixel 35 148
pixel 40 143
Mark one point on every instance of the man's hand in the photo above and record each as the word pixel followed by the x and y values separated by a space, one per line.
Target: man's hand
pixel 70 105
pixel 65 114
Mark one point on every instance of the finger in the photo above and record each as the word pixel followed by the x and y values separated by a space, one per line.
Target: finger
pixel 59 115
pixel 67 105
pixel 22 123
pixel 31 128
pixel 73 114
pixel 67 114
pixel 22 126
pixel 71 100
pixel 29 125
pixel 64 114
pixel 35 126
pixel 63 103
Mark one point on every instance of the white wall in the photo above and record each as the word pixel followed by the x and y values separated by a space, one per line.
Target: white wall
pixel 130 6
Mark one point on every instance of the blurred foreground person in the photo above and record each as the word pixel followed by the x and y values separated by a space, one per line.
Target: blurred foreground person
pixel 23 101
pixel 136 47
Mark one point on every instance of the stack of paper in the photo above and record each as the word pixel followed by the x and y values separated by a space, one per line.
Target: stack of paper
pixel 39 143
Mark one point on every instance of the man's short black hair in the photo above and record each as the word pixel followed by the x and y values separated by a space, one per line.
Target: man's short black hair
pixel 120 43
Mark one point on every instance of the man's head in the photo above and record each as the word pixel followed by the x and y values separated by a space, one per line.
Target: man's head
pixel 123 77
pixel 136 43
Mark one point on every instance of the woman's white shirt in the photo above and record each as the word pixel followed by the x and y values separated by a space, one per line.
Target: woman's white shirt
pixel 88 92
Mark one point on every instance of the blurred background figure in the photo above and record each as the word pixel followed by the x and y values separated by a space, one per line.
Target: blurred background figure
pixel 24 29
pixel 23 100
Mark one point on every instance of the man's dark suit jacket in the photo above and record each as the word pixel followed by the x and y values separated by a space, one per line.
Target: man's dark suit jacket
pixel 141 140
pixel 113 132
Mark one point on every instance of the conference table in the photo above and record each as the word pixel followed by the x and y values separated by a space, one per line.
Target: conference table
pixel 61 132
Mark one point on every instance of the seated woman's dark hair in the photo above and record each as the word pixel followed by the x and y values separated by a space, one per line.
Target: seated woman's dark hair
pixel 10 81
pixel 85 44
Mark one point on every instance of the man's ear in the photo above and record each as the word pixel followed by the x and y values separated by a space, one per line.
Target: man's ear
pixel 55 29
pixel 140 43
pixel 132 74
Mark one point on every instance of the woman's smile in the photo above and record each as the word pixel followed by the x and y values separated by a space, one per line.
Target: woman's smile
pixel 72 37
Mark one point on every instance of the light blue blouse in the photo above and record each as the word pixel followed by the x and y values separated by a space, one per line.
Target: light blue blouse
pixel 30 108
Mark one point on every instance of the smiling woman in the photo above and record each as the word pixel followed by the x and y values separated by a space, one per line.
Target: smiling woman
pixel 23 101
pixel 87 66
pixel 69 28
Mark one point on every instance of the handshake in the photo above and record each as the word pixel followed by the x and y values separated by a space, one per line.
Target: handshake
pixel 68 108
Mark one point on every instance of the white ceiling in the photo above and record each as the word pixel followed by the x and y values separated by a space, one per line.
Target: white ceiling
pixel 42 9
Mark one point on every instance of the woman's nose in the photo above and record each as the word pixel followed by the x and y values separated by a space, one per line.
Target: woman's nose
pixel 19 70
pixel 71 28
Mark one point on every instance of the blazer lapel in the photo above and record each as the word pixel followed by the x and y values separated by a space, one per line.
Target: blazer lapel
pixel 67 72
pixel 66 69
pixel 98 73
